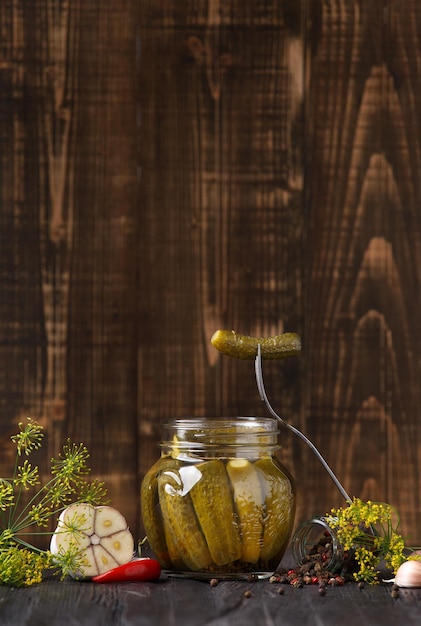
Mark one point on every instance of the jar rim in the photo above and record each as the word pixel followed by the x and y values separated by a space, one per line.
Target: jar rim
pixel 223 433
pixel 209 421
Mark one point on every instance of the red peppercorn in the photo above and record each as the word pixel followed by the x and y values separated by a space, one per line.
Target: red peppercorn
pixel 315 580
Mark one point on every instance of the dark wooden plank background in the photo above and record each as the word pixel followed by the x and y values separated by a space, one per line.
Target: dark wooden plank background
pixel 169 168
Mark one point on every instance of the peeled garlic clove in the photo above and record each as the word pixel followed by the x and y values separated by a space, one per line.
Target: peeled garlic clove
pixel 409 574
pixel 98 535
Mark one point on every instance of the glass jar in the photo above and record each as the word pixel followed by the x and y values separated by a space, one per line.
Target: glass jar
pixel 314 540
pixel 218 503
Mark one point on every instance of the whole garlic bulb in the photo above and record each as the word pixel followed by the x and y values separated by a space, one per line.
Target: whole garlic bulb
pixel 409 574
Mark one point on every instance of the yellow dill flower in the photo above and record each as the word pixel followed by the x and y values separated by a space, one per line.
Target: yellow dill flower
pixel 22 567
pixel 27 476
pixel 369 529
pixel 29 436
pixel 39 514
pixel 77 524
pixel 5 538
pixel 93 493
pixel 22 564
pixel 394 555
pixel 72 560
pixel 7 496
pixel 59 493
pixel 71 464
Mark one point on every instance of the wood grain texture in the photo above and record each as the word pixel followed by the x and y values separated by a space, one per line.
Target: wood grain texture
pixel 363 329
pixel 69 223
pixel 221 99
pixel 190 602
pixel 168 169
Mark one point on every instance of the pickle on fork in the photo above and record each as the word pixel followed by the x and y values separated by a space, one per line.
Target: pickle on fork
pixel 245 347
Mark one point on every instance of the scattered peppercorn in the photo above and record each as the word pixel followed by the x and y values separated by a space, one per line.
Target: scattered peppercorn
pixel 252 578
pixel 247 593
pixel 315 568
pixel 322 591
pixel 394 593
pixel 281 591
pixel 361 584
pixel 213 582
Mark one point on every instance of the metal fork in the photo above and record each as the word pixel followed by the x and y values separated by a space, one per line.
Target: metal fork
pixel 264 398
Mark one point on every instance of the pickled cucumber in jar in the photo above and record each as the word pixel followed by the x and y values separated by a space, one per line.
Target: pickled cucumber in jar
pixel 219 505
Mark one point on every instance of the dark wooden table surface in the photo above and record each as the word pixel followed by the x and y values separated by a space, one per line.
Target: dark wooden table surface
pixel 191 602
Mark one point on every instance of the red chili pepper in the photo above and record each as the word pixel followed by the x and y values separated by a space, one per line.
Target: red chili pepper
pixel 137 569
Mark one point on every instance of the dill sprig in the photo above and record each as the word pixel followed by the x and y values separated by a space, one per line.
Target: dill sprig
pixel 21 518
pixel 369 530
